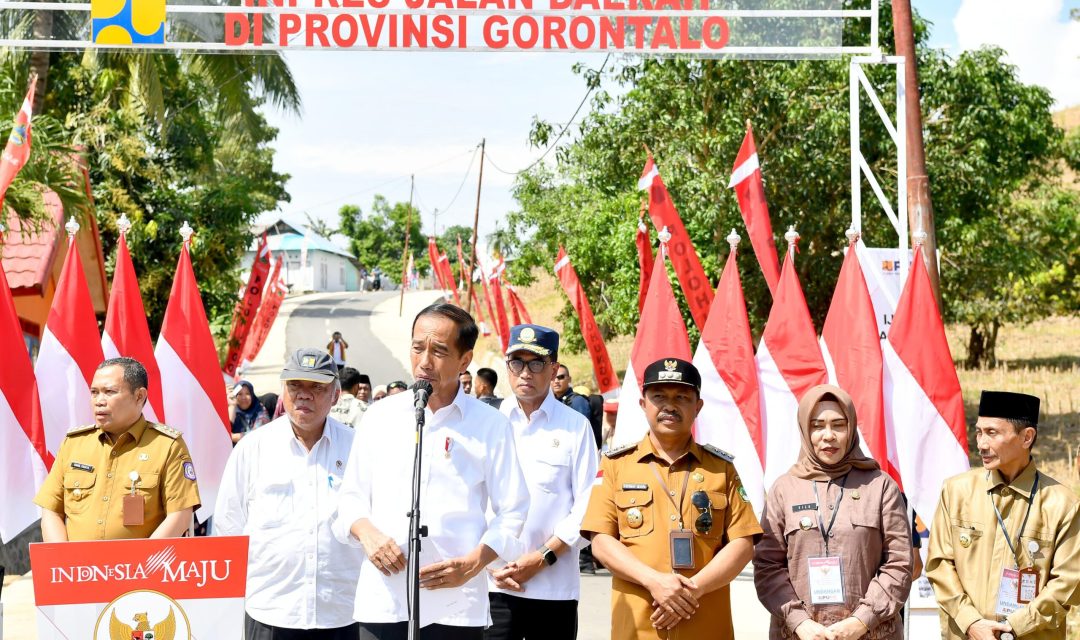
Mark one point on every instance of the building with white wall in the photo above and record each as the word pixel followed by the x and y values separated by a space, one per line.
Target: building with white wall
pixel 312 263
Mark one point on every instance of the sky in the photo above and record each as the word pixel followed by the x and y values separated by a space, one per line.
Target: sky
pixel 372 120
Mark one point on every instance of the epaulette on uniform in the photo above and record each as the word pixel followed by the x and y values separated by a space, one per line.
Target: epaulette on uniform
pixel 618 451
pixel 81 429
pixel 167 430
pixel 719 453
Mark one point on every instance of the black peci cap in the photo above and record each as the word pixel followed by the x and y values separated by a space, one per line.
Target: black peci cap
pixel 1010 406
pixel 672 371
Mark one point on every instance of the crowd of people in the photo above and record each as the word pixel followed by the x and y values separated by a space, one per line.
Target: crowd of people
pixel 513 491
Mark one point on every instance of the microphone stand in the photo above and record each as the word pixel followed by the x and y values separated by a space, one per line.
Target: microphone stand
pixel 416 531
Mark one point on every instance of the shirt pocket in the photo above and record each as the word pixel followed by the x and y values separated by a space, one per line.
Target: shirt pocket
pixel 1040 557
pixel 719 505
pixel 970 531
pixel 147 486
pixel 553 470
pixel 271 505
pixel 635 513
pixel 78 491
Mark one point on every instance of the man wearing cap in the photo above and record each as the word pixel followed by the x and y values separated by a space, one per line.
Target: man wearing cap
pixel 280 488
pixel 536 595
pixel 1004 557
pixel 669 518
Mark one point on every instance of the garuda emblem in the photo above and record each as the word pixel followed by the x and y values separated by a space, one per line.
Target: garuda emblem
pixel 164 630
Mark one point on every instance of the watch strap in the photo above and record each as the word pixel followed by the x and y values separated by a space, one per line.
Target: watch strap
pixel 548 555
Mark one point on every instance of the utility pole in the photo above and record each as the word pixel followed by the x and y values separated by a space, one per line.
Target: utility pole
pixel 405 253
pixel 435 223
pixel 475 226
pixel 920 209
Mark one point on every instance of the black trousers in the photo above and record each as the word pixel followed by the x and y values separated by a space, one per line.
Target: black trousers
pixel 400 631
pixel 516 618
pixel 255 630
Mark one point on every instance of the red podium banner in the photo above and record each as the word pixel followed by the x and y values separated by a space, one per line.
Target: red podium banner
pixel 168 589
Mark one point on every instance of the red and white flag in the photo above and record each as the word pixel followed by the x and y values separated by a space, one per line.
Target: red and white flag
pixel 680 250
pixel 244 314
pixel 661 333
pixel 448 277
pixel 126 332
pixel 268 311
pixel 433 258
pixel 490 307
pixel 24 460
pixel 789 364
pixel 69 355
pixel 749 190
pixel 501 319
pixel 645 262
pixel 731 415
pixel 196 404
pixel 594 340
pixel 852 351
pixel 17 151
pixel 518 305
pixel 924 408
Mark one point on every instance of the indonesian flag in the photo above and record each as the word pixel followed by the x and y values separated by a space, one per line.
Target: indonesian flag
pixel 268 310
pixel 24 459
pixel 645 262
pixel 594 340
pixel 500 309
pixel 196 404
pixel 126 332
pixel 661 333
pixel 680 249
pixel 923 407
pixel 448 276
pixel 518 305
pixel 852 351
pixel 433 257
pixel 244 314
pixel 746 180
pixel 17 151
pixel 789 364
pixel 70 353
pixel 731 415
pixel 410 272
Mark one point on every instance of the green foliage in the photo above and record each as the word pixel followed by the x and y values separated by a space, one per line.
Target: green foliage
pixel 377 239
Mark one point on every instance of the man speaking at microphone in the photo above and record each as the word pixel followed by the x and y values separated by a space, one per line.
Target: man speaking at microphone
pixel 469 466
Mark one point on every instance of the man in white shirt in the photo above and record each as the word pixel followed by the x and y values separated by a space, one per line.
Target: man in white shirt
pixel 469 466
pixel 280 488
pixel 536 595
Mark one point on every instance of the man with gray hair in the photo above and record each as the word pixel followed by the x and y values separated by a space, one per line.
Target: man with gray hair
pixel 280 488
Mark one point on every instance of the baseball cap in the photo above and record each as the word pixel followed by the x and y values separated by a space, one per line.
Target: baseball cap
pixel 672 371
pixel 397 384
pixel 314 365
pixel 533 338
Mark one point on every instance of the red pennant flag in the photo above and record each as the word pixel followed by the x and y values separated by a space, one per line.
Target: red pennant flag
pixel 518 304
pixel 661 333
pixel 731 416
pixel 645 262
pixel 436 270
pixel 750 191
pixel 268 310
pixel 695 284
pixel 448 277
pixel 463 278
pixel 514 315
pixel 70 353
pixel 852 346
pixel 484 330
pixel 244 314
pixel 17 151
pixel 789 364
pixel 24 458
pixel 594 340
pixel 196 402
pixel 500 309
pixel 924 409
pixel 126 332
pixel 490 308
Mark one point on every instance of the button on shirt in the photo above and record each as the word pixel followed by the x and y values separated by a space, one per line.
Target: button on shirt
pixel 468 464
pixel 283 497
pixel 559 458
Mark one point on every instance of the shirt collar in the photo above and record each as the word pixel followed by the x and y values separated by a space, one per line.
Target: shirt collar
pixel 460 403
pixel 136 430
pixel 547 407
pixel 645 448
pixel 1022 483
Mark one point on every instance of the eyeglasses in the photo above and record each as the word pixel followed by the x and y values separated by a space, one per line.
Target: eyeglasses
pixel 561 376
pixel 701 502
pixel 517 365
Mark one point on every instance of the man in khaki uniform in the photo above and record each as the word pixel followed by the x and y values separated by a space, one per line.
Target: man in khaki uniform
pixel 122 477
pixel 670 519
pixel 1004 555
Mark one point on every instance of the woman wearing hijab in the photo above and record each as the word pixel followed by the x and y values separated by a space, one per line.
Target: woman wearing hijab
pixel 835 561
pixel 245 410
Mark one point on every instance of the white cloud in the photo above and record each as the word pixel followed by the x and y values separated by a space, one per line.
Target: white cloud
pixel 1038 36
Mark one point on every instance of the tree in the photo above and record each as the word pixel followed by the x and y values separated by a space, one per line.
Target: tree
pixel 377 239
pixel 320 227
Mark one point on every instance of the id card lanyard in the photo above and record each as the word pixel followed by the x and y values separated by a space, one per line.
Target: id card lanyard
pixel 836 508
pixel 668 493
pixel 1023 524
pixel 1018 586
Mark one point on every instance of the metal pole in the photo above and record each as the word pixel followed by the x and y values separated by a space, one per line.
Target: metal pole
pixel 405 253
pixel 475 226
pixel 920 210
pixel 856 152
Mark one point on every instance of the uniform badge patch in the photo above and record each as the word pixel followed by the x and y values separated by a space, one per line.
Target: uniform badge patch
pixel 742 494
pixel 189 471
pixel 82 466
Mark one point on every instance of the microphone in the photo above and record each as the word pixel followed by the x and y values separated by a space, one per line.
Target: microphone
pixel 421 392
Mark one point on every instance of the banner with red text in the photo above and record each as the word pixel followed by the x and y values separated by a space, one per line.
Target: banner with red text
pixel 594 341
pixel 244 315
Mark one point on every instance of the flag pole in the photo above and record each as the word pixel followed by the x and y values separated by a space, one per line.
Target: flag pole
pixel 475 227
pixel 405 251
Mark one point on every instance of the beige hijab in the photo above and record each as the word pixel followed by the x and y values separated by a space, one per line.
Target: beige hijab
pixel 809 466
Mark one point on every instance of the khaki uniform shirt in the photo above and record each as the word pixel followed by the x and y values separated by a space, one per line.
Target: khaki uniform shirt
pixel 629 504
pixel 968 551
pixel 871 535
pixel 91 476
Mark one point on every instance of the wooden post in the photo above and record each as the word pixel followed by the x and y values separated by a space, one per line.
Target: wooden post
pixel 475 226
pixel 405 253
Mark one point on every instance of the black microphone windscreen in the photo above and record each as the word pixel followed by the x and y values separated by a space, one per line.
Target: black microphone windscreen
pixel 421 385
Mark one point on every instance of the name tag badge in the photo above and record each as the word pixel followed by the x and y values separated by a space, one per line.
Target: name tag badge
pixel 682 549
pixel 826 575
pixel 133 511
pixel 635 486
pixel 810 506
pixel 1008 589
pixel 1028 586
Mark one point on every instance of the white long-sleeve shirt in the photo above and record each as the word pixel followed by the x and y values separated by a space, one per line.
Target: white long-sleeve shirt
pixel 469 463
pixel 283 497
pixel 558 455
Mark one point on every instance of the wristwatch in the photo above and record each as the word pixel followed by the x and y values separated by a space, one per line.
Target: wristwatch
pixel 1008 635
pixel 548 555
